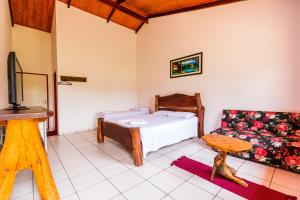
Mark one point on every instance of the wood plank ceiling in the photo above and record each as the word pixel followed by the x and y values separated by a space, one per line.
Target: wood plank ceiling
pixel 132 14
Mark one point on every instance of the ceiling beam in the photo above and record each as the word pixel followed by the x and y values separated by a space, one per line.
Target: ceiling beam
pixel 196 7
pixel 140 26
pixel 113 10
pixel 110 15
pixel 11 13
pixel 125 10
pixel 69 3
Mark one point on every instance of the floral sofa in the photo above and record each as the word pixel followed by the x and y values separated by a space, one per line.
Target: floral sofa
pixel 272 135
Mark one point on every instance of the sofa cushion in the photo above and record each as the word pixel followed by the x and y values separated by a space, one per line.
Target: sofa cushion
pixel 235 119
pixel 268 148
pixel 281 123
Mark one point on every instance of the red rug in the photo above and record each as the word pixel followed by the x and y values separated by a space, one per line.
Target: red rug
pixel 252 192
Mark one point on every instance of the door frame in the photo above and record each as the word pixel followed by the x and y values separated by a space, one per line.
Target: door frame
pixel 55 104
pixel 47 85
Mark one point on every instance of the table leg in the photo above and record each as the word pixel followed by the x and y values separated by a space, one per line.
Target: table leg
pixel 220 167
pixel 23 150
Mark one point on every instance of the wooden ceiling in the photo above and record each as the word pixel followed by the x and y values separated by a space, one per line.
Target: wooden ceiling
pixel 32 13
pixel 132 14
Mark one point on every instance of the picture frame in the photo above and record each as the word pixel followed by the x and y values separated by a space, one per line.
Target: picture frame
pixel 186 66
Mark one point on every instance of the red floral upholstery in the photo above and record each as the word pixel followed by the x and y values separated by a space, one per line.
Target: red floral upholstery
pixel 272 135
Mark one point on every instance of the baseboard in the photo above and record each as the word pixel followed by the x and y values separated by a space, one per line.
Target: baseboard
pixel 51 133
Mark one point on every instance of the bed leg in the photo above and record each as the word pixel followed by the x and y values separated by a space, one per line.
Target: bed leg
pixel 201 122
pixel 137 151
pixel 100 136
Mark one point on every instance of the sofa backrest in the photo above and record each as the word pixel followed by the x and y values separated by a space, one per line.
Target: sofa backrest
pixel 282 123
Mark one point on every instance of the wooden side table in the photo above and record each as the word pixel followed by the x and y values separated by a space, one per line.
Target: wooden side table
pixel 23 149
pixel 224 145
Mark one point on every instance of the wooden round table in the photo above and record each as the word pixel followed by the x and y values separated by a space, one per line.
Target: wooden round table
pixel 224 145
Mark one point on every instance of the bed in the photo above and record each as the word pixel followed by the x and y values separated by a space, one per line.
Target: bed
pixel 160 131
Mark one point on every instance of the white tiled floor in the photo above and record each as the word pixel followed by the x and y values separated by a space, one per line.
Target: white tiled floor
pixel 86 170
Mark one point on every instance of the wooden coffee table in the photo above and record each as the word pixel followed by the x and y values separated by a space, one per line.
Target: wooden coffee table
pixel 224 145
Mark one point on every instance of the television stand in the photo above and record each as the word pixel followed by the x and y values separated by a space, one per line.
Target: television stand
pixel 23 149
pixel 17 107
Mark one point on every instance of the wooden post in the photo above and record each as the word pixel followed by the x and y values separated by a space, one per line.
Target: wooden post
pixel 23 150
pixel 200 115
pixel 100 136
pixel 156 102
pixel 137 151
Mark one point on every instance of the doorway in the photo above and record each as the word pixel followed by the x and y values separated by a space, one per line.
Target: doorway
pixel 35 93
pixel 35 89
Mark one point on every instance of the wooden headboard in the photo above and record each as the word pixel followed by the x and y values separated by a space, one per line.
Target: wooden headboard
pixel 184 103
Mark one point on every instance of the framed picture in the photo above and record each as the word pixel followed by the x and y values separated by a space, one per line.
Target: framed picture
pixel 186 66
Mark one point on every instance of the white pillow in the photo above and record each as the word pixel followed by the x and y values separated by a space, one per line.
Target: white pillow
pixel 160 113
pixel 140 109
pixel 181 114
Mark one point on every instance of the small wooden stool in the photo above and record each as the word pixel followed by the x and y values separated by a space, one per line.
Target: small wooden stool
pixel 224 145
pixel 23 149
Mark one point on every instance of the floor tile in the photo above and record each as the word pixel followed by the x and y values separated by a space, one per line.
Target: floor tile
pixel 126 180
pixel 22 188
pixel 174 155
pixel 147 170
pixel 236 163
pixel 191 149
pixel 152 155
pixel 180 172
pixel 177 145
pixel 253 179
pixel 206 154
pixel 113 169
pixel 105 145
pixel 87 179
pixel 71 197
pixel 28 196
pixel 258 170
pixel 166 181
pixel 74 161
pixel 145 191
pixel 119 197
pixel 217 198
pixel 190 192
pixel 101 191
pixel 205 185
pixel 286 178
pixel 56 166
pixel 88 149
pixel 79 169
pixel 165 150
pixel 128 162
pixel 69 154
pixel 227 195
pixel 65 188
pixel 167 198
pixel 199 159
pixel 24 175
pixel 100 159
pixel 285 190
pixel 60 175
pixel 163 162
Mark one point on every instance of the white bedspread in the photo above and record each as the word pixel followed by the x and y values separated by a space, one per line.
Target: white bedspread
pixel 160 131
pixel 122 114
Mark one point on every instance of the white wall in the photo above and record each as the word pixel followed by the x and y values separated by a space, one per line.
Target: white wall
pixel 33 49
pixel 251 57
pixel 5 47
pixel 104 53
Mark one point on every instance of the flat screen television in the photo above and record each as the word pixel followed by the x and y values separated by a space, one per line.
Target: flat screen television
pixel 12 62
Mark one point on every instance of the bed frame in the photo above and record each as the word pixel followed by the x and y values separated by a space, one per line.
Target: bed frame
pixel 130 137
